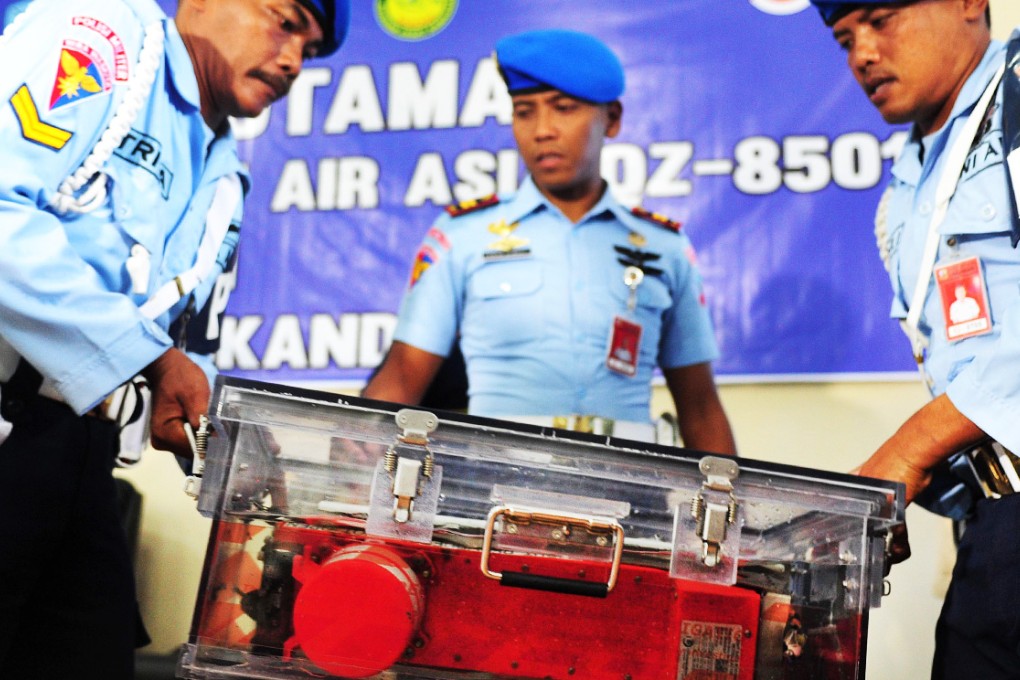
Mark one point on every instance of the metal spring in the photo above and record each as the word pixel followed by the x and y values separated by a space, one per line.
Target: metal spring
pixel 202 435
pixel 390 460
pixel 427 466
pixel 731 512
pixel 697 504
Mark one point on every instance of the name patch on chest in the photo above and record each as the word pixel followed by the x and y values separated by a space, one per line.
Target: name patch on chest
pixel 146 152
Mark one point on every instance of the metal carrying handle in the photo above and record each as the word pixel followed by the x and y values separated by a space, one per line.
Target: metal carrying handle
pixel 553 583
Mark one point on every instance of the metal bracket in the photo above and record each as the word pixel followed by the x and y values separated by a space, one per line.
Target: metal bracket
pixel 714 507
pixel 407 471
pixel 417 425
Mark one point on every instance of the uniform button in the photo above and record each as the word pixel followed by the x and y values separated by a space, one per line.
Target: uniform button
pixel 505 287
pixel 123 212
pixel 951 241
pixel 988 211
pixel 925 208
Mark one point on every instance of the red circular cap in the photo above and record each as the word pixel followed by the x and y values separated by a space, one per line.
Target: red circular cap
pixel 356 615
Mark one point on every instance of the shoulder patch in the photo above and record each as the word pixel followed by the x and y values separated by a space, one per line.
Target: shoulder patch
pixel 81 73
pixel 470 206
pixel 655 218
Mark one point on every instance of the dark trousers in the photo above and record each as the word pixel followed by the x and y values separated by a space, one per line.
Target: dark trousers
pixel 978 632
pixel 67 594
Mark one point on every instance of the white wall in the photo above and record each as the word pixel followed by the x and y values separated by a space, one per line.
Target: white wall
pixel 827 426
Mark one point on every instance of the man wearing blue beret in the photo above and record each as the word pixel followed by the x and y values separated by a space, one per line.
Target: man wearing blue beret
pixel 563 300
pixel 945 226
pixel 120 206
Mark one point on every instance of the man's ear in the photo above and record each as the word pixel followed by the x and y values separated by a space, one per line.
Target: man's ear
pixel 614 118
pixel 975 10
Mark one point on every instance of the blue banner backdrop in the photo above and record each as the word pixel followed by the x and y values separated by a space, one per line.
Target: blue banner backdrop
pixel 741 120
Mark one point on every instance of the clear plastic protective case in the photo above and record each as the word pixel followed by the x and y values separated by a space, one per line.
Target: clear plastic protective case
pixel 359 539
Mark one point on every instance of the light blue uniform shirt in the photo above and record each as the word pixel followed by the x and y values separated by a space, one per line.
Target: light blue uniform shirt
pixel 66 299
pixel 534 326
pixel 980 375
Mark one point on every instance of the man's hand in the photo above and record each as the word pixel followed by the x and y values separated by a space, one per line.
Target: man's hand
pixel 897 546
pixel 887 463
pixel 180 393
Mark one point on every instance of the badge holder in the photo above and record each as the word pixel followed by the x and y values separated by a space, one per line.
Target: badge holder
pixel 624 349
pixel 964 296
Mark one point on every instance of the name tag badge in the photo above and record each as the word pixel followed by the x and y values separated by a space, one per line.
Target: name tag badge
pixel 624 346
pixel 964 299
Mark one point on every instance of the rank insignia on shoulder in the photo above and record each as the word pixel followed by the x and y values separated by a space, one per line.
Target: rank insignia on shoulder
pixel 32 127
pixel 655 218
pixel 465 207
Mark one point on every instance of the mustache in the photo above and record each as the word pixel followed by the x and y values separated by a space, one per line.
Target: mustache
pixel 280 83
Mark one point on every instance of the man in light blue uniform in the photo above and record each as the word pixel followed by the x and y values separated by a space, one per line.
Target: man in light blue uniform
pixel 564 300
pixel 946 225
pixel 120 206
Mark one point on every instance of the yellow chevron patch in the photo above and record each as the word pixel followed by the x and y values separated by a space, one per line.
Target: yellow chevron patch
pixel 34 129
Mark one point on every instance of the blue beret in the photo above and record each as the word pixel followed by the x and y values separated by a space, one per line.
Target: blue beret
pixel 334 17
pixel 834 10
pixel 573 63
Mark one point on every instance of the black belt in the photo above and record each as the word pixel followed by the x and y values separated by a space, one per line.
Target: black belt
pixel 22 390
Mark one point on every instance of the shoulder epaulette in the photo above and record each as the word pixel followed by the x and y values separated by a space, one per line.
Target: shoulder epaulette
pixel 655 218
pixel 466 207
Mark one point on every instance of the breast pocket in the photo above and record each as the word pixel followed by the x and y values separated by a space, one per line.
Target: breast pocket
pixel 133 210
pixel 979 209
pixel 503 303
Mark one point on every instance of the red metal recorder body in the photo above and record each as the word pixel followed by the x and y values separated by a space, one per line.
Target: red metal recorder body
pixel 354 540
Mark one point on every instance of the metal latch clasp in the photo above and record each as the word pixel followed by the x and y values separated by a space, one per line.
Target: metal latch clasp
pixel 409 471
pixel 714 507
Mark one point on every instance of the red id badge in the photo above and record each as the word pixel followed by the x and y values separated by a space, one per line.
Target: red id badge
pixel 964 299
pixel 624 345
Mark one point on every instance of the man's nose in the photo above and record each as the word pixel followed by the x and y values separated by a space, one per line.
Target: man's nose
pixel 864 51
pixel 292 55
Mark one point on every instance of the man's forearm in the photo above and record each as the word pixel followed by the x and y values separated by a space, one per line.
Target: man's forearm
pixel 930 436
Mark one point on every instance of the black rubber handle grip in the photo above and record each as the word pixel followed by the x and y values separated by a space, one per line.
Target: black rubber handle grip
pixel 552 584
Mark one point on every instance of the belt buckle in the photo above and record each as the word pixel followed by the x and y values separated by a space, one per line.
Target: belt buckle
pixel 996 468
pixel 587 424
pixel 104 409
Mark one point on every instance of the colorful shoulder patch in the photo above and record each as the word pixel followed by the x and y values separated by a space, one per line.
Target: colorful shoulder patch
pixel 471 206
pixel 425 258
pixel 81 73
pixel 655 218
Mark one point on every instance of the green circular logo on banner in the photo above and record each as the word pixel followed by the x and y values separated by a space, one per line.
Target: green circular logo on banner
pixel 414 19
